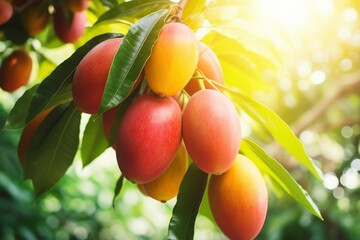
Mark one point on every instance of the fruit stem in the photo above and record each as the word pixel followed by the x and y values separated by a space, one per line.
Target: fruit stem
pixel 210 81
pixel 182 5
pixel 201 84
pixel 186 94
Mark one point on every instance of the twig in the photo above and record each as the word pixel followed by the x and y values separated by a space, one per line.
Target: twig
pixel 348 84
pixel 332 125
pixel 182 4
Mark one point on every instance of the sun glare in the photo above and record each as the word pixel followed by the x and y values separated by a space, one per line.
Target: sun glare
pixel 293 15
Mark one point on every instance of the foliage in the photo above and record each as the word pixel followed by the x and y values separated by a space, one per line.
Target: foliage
pixel 245 48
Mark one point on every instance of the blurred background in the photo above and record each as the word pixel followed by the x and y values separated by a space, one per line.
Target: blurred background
pixel 317 93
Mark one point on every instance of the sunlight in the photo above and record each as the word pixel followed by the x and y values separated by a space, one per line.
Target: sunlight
pixel 292 15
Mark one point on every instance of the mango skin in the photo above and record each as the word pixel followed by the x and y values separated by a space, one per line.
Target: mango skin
pixel 166 186
pixel 76 5
pixel 69 33
pixel 148 137
pixel 211 131
pixel 238 200
pixel 28 134
pixel 91 75
pixel 142 189
pixel 6 11
pixel 15 70
pixel 173 59
pixel 35 18
pixel 210 66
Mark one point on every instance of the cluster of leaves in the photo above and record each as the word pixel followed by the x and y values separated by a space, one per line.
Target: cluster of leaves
pixel 244 51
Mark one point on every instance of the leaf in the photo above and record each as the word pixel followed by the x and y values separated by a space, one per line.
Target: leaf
pixel 115 26
pixel 223 45
pixel 187 206
pixel 109 3
pixel 135 8
pixel 117 189
pixel 53 147
pixel 61 77
pixel 205 209
pixel 271 167
pixel 192 14
pixel 240 72
pixel 17 115
pixel 252 36
pixel 94 141
pixel 120 114
pixel 130 59
pixel 193 7
pixel 278 129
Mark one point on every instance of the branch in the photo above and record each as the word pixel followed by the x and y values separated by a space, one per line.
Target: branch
pixel 331 125
pixel 348 84
pixel 182 5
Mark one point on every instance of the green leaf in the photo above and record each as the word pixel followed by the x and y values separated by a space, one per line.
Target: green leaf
pixel 130 59
pixel 61 77
pixel 17 115
pixel 278 129
pixel 110 3
pixel 205 209
pixel 225 46
pixel 252 36
pixel 135 8
pixel 120 114
pixel 117 189
pixel 94 141
pixel 53 147
pixel 192 14
pixel 188 202
pixel 278 173
pixel 193 7
pixel 239 71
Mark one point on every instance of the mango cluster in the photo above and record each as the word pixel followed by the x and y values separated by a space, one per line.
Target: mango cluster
pixel 69 17
pixel 179 117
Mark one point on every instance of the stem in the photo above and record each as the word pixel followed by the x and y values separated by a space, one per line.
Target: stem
pixel 201 84
pixel 182 5
pixel 186 94
pixel 211 82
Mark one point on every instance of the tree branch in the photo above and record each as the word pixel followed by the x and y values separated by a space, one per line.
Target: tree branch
pixel 348 84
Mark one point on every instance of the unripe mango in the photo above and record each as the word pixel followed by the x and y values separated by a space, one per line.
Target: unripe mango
pixel 167 185
pixel 211 131
pixel 15 70
pixel 210 66
pixel 91 75
pixel 35 18
pixel 148 137
pixel 238 200
pixel 69 32
pixel 173 59
pixel 28 134
pixel 6 11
